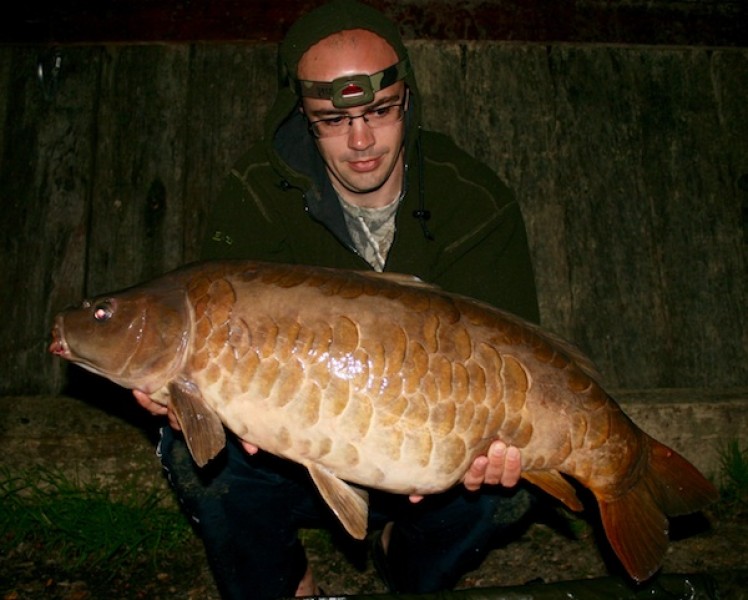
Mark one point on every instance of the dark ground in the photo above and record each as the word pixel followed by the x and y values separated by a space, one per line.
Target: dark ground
pixel 557 548
pixel 549 552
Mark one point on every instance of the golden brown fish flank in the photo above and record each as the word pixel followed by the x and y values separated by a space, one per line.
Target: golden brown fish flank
pixel 381 381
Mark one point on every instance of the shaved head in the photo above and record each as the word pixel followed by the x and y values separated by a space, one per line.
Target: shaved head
pixel 346 53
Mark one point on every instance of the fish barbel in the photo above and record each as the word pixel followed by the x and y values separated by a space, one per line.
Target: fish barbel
pixel 380 381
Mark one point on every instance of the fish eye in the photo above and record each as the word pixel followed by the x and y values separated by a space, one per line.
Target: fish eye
pixel 103 311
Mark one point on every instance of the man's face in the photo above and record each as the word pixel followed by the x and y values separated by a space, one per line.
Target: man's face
pixel 364 160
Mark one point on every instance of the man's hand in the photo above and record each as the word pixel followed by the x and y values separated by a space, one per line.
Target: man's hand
pixel 501 465
pixel 156 409
pixel 159 410
pixel 249 448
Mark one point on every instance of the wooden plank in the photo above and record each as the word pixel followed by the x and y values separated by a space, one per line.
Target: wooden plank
pixel 231 88
pixel 627 164
pixel 6 70
pixel 660 22
pixel 137 211
pixel 198 108
pixel 45 171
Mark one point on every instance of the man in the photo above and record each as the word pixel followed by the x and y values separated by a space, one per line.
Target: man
pixel 347 178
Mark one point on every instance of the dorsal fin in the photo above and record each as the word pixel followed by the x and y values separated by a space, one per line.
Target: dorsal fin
pixel 573 352
pixel 401 279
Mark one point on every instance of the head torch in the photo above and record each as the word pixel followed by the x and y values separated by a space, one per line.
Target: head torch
pixel 353 90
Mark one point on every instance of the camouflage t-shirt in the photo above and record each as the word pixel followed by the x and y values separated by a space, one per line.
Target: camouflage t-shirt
pixel 372 230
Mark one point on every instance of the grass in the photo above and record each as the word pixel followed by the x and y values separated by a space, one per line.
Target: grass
pixel 81 526
pixel 734 479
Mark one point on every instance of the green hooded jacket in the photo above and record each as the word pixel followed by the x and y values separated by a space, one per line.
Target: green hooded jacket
pixel 458 225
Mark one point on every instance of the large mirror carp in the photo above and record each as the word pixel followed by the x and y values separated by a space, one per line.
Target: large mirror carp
pixel 380 381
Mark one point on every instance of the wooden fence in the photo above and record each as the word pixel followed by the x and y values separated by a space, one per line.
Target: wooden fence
pixel 630 164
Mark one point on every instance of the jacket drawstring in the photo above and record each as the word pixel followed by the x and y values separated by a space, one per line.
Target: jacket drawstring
pixel 421 213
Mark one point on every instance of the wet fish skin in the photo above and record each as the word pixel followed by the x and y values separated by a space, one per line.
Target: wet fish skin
pixel 384 382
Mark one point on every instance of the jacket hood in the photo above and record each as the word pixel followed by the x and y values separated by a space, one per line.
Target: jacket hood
pixel 285 127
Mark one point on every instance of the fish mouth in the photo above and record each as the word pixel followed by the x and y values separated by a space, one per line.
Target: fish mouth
pixel 58 346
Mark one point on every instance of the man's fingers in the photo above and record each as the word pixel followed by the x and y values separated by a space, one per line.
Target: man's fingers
pixel 173 423
pixel 249 448
pixel 145 401
pixel 502 465
pixel 512 467
pixel 156 409
pixel 476 474
pixel 495 467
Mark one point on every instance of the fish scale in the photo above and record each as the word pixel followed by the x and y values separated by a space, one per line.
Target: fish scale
pixel 381 381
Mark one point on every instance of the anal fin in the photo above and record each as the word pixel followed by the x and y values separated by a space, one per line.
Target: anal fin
pixel 553 483
pixel 350 504
pixel 201 426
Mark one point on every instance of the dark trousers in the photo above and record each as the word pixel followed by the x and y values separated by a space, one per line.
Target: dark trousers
pixel 248 510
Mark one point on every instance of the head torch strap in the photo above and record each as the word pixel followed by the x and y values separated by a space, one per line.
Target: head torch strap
pixel 353 90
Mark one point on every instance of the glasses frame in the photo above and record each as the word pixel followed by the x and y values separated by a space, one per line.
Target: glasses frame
pixel 403 105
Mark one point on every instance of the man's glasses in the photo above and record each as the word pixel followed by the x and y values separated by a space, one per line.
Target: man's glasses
pixel 379 116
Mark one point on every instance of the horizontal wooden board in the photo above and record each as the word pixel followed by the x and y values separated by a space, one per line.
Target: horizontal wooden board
pixel 657 22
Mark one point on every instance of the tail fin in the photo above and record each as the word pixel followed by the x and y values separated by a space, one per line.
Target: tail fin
pixel 636 522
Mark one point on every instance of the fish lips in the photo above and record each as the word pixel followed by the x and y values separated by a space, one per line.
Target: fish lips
pixel 59 346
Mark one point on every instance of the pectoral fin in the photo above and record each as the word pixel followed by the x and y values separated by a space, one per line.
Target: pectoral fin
pixel 553 483
pixel 202 429
pixel 350 505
